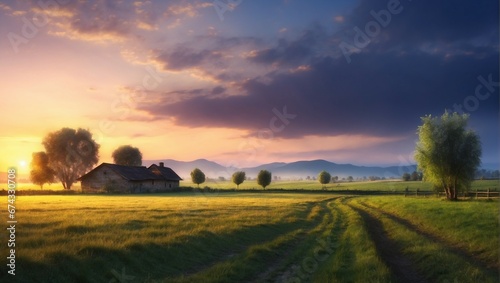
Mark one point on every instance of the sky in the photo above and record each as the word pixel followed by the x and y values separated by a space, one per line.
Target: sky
pixel 246 82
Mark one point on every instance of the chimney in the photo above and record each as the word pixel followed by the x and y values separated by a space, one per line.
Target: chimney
pixel 162 164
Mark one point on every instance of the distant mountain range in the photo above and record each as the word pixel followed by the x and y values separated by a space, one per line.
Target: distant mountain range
pixel 293 170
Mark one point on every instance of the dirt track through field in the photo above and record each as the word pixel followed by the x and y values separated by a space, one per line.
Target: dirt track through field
pixel 242 249
pixel 287 262
pixel 401 266
pixel 468 256
pixel 273 272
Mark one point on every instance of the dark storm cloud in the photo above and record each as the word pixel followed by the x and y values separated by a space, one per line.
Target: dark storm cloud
pixel 426 60
pixel 224 43
pixel 382 95
pixel 206 53
pixel 429 22
pixel 294 52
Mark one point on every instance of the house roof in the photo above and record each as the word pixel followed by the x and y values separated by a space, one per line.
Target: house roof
pixel 133 173
pixel 166 172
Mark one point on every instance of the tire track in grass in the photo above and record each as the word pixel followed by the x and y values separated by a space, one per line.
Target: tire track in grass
pixel 274 272
pixel 275 251
pixel 401 266
pixel 354 257
pixel 241 267
pixel 330 270
pixel 282 270
pixel 341 259
pixel 464 254
pixel 240 245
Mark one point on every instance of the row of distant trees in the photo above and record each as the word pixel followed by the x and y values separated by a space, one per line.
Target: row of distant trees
pixel 479 175
pixel 415 176
pixel 264 178
pixel 70 153
pixel 487 174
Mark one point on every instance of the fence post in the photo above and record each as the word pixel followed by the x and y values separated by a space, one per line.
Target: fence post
pixel 417 191
pixel 476 193
pixel 488 193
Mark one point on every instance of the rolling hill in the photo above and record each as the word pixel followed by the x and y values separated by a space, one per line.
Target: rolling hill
pixel 298 169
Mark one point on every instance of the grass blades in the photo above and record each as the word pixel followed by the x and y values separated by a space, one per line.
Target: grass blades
pixel 380 185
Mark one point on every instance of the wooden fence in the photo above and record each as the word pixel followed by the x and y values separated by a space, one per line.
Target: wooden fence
pixel 485 194
pixel 489 193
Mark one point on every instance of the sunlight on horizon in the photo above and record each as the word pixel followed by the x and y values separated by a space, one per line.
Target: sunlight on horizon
pixel 22 164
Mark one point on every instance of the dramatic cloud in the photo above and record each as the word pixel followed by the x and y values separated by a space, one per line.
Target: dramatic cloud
pixel 295 52
pixel 185 58
pixel 101 20
pixel 212 58
pixel 413 25
pixel 374 96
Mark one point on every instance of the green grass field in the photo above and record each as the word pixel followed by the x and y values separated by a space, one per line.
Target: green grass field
pixel 253 237
pixel 394 185
pixel 389 186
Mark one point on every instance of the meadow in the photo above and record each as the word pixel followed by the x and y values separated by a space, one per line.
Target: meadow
pixel 253 237
pixel 385 185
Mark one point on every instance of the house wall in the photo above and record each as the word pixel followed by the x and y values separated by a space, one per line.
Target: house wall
pixel 154 186
pixel 104 178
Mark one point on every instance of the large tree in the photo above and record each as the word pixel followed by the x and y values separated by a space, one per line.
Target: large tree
pixel 264 178
pixel 71 154
pixel 197 176
pixel 238 178
pixel 127 155
pixel 447 153
pixel 41 173
pixel 324 178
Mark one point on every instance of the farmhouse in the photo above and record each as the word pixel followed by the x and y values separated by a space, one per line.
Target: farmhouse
pixel 131 179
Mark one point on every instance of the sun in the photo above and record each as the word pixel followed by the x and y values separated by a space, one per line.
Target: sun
pixel 22 163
